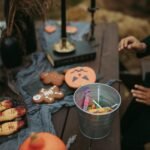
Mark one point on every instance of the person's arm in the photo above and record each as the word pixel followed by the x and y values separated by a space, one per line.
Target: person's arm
pixel 131 43
pixel 146 52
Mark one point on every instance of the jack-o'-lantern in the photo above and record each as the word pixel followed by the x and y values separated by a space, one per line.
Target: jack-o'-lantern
pixel 43 141
pixel 79 76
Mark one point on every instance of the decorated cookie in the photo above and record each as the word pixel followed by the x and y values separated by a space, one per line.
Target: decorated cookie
pixel 5 104
pixel 48 95
pixel 12 113
pixel 78 76
pixel 9 128
pixel 53 78
pixel 50 28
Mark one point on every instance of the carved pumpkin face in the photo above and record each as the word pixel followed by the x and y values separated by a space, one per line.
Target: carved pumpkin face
pixel 78 76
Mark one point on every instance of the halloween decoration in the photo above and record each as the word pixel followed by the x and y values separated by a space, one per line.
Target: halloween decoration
pixel 5 104
pixel 79 76
pixel 26 8
pixel 43 141
pixel 11 52
pixel 48 95
pixel 10 127
pixel 18 38
pixel 53 78
pixel 12 113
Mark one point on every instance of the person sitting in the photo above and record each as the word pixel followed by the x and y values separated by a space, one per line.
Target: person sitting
pixel 135 124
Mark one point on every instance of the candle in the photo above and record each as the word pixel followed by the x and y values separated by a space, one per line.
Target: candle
pixel 93 3
pixel 63 19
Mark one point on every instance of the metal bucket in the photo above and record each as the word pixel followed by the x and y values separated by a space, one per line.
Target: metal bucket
pixel 97 126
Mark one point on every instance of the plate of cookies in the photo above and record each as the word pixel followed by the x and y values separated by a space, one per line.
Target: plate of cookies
pixel 12 118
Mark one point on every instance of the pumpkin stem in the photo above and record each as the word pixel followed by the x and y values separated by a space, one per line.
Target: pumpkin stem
pixel 36 141
pixel 33 136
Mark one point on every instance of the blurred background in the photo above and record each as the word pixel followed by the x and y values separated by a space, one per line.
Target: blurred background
pixel 126 13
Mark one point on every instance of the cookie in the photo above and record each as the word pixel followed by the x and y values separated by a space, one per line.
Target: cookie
pixel 48 95
pixel 79 76
pixel 5 104
pixel 12 113
pixel 52 77
pixel 9 128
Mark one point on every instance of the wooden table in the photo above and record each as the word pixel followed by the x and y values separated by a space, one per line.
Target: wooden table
pixel 106 63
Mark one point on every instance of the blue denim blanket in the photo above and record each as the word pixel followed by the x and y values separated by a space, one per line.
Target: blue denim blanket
pixel 28 83
pixel 38 116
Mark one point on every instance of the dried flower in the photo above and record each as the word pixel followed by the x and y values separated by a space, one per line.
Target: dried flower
pixel 30 8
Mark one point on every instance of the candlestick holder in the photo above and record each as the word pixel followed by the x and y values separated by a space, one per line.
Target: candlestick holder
pixel 64 46
pixel 92 26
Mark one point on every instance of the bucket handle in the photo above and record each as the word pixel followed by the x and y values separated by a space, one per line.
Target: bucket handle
pixel 111 82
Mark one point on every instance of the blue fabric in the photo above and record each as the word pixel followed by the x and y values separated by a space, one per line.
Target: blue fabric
pixel 52 38
pixel 28 84
pixel 38 116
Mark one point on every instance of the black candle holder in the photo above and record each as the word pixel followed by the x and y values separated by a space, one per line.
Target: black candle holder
pixel 92 26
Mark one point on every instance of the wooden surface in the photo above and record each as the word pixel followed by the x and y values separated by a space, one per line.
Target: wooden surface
pixel 106 64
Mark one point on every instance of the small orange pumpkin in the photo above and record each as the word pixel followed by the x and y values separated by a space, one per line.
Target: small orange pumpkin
pixel 43 141
pixel 79 76
pixel 50 29
pixel 71 29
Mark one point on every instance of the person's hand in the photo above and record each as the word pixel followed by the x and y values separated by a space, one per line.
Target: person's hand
pixel 142 94
pixel 131 43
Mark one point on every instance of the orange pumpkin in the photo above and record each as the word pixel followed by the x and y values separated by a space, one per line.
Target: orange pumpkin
pixel 71 29
pixel 43 141
pixel 50 29
pixel 78 76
